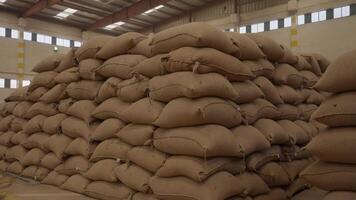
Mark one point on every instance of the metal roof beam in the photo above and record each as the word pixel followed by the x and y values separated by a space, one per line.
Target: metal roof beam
pixel 37 7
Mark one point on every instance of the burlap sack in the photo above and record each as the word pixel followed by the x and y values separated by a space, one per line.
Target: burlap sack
pixel 219 186
pixel 80 147
pixel 55 94
pixel 258 159
pixel 108 191
pixel 151 67
pixel 53 178
pixel 91 47
pixel 142 196
pixel 3 151
pixel 147 158
pixel 5 138
pixel 17 124
pixel 289 95
pixel 15 167
pixel 67 61
pixel 32 157
pixel 5 123
pixel 75 183
pixel 50 161
pixel 83 89
pixel 74 127
pixel 133 89
pixel 247 91
pixel 52 125
pixel 289 112
pixel 307 110
pixel 310 79
pixel 195 34
pixel 41 108
pixel 260 67
pixel 340 196
pixel 258 109
pixel 73 165
pixel 82 109
pixel 102 170
pixel 41 173
pixel 15 153
pixel 108 89
pixel 331 176
pixel 36 140
pixel 247 49
pixel 110 108
pixel 19 94
pixel 309 128
pixel 34 125
pixel 304 62
pixel 107 129
pixel 43 79
pixel 120 45
pixel 274 194
pixel 254 185
pixel 136 134
pixel 133 176
pixel 58 143
pixel 65 104
pixel 199 169
pixel 21 109
pixel 287 75
pixel 49 63
pixel 29 172
pixel 270 48
pixel 270 91
pixel 68 76
pixel 191 85
pixel 150 107
pixel 311 96
pixel 9 107
pixel 4 165
pixel 120 66
pixel 143 47
pixel 36 94
pixel 335 145
pixel 207 110
pixel 294 152
pixel 274 175
pixel 288 57
pixel 297 186
pixel 296 134
pixel 18 138
pixel 206 60
pixel 88 67
pixel 111 149
pixel 250 139
pixel 295 167
pixel 202 141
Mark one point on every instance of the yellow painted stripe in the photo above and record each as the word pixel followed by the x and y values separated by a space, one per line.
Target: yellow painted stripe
pixel 294 31
pixel 294 43
pixel 294 19
pixel 21 45
pixel 20 54
pixel 20 65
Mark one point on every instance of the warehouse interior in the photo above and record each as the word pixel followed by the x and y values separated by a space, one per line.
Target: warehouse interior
pixel 79 78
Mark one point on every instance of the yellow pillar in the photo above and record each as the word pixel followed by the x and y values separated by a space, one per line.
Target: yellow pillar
pixel 294 44
pixel 20 59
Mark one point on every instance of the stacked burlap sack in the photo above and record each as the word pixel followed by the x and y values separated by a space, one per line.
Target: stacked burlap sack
pixel 335 171
pixel 189 113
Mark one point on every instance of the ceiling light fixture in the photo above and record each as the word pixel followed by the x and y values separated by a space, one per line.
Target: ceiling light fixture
pixel 154 9
pixel 114 25
pixel 65 13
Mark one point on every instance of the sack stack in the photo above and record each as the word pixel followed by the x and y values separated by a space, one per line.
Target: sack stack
pixel 189 113
pixel 334 147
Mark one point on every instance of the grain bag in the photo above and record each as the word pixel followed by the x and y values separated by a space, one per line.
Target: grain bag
pixel 270 48
pixel 55 94
pixel 269 90
pixel 36 140
pixel 136 134
pixel 147 158
pixel 67 76
pixel 107 129
pixel 108 191
pixel 151 67
pixel 91 47
pixel 50 161
pixel 74 127
pixel 108 89
pixel 258 109
pixel 287 75
pixel 75 183
pixel 36 94
pixel 88 67
pixel 49 63
pixel 73 165
pixel 53 178
pixel 57 144
pixel 151 108
pixel 260 67
pixel 43 79
pixel 133 176
pixel 81 147
pixel 83 89
pixel 82 110
pixel 111 149
pixel 32 157
pixel 247 91
pixel 67 61
pixel 289 112
pixel 103 170
pixel 110 108
pixel 247 49
pixel 274 175
pixel 133 89
pixel 40 108
pixel 52 125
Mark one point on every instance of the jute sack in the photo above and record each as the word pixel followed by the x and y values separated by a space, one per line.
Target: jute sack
pixel 340 196
pixel 199 169
pixel 270 48
pixel 36 140
pixel 250 139
pixel 217 187
pixel 91 47
pixel 107 129
pixel 33 157
pixel 142 196
pixel 4 165
pixel 9 107
pixel 36 94
pixel 75 183
pixel 289 112
pixel 67 61
pixel 288 57
pixel 83 89
pixel 294 168
pixel 17 124
pixel 339 76
pixel 133 176
pixel 206 60
pixel 5 123
pixel 108 191
pixel 335 145
pixel 310 79
pixel 19 137
pixel 274 175
pixel 136 134
pixel 18 94
pixel 73 165
pixel 120 66
pixel 15 167
pixel 247 91
pixel 202 141
pixel 21 108
pixel 107 89
pixel 151 108
pixel 260 67
pixel 82 109
pixel 53 178
pixel 338 110
pixel 43 79
pixel 15 153
pixel 258 159
pixel 254 185
pixel 134 89
pixel 294 152
pixel 52 125
pixel 287 75
pixel 322 61
pixel 48 64
pixel 55 94
pixel 269 90
pixel 274 194
pixel 195 34
pixel 74 127
pixel 41 173
pixel 65 104
pixel 258 109
pixel 331 176
pixel 309 128
pixel 80 147
pixel 297 186
pixel 147 158
pixel 3 151
pixel 289 95
pixel 191 85
pixel 247 49
pixel 191 112
pixel 111 149
pixel 151 67
pixel 5 138
pixel 103 170
pixel 143 47
pixel 50 161
pixel 29 172
pixel 304 62
pixel 307 110
pixel 57 144
pixel 88 67
pixel 68 76
pixel 315 98
pixel 119 45
pixel 47 109
pixel 296 134
pixel 110 108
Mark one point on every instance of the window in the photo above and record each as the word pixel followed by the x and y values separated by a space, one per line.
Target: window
pixel 315 17
pixel 13 83
pixel 260 27
pixel 59 42
pixel 26 82
pixel 301 19
pixel 2 83
pixel 337 12
pixel 66 43
pixel 40 38
pixel 287 22
pixel 273 24
pixel 47 39
pixel 254 28
pixel 345 11
pixel 27 36
pixel 322 15
pixel 2 31
pixel 242 30
pixel 14 34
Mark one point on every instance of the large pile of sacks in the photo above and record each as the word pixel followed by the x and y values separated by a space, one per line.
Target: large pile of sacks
pixel 189 113
pixel 335 147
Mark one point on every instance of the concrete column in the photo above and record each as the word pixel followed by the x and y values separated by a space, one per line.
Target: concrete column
pixel 21 53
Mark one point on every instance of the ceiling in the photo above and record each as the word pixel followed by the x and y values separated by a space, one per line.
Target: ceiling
pixel 98 14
